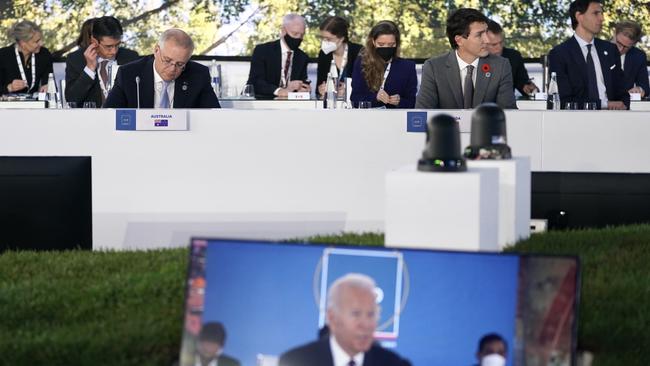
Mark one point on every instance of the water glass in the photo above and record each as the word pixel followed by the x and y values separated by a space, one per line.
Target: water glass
pixel 591 106
pixel 570 106
pixel 71 105
pixel 90 105
pixel 248 91
pixel 364 104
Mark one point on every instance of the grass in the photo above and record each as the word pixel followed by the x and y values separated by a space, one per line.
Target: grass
pixel 125 308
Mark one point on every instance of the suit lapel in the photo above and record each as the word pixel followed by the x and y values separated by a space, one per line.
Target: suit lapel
pixel 181 90
pixel 453 77
pixel 578 58
pixel 604 63
pixel 482 81
pixel 276 62
pixel 147 86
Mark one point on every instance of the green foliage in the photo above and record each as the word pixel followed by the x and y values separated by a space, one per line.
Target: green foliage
pixel 91 308
pixel 614 314
pixel 532 26
pixel 126 308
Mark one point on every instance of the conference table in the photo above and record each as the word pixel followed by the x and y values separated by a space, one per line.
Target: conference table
pixel 277 174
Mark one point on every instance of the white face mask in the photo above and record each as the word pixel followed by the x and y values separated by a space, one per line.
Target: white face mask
pixel 493 360
pixel 328 47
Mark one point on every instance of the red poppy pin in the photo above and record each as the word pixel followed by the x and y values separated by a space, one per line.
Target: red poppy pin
pixel 486 69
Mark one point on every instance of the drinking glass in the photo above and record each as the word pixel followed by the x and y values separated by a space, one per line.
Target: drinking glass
pixel 90 105
pixel 248 91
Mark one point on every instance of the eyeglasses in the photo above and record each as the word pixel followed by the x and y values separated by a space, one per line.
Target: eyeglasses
pixel 623 46
pixel 167 62
pixel 110 47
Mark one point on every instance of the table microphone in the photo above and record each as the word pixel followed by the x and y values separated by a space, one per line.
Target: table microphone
pixel 137 90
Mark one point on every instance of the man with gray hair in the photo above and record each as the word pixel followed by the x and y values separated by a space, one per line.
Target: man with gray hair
pixel 633 61
pixel 280 67
pixel 352 315
pixel 166 79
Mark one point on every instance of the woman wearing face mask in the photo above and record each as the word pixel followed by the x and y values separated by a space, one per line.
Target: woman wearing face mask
pixel 380 75
pixel 335 45
pixel 26 64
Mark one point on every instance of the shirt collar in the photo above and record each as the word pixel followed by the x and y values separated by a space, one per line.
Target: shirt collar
pixel 340 357
pixel 284 46
pixel 462 64
pixel 581 41
pixel 156 77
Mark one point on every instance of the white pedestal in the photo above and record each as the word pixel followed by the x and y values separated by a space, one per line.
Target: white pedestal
pixel 514 197
pixel 455 211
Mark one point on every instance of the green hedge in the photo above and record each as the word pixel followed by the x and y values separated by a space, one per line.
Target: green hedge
pixel 126 308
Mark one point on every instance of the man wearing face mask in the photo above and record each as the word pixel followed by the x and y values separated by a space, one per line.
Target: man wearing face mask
pixel 280 67
pixel 468 75
pixel 492 350
pixel 336 52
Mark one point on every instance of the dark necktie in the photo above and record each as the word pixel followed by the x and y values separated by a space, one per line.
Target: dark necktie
pixel 592 84
pixel 352 363
pixel 104 74
pixel 287 63
pixel 469 88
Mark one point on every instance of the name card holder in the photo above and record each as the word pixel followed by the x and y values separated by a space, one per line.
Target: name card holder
pixel 151 120
pixel 298 96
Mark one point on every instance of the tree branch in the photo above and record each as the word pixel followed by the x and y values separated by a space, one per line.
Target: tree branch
pixel 166 5
pixel 225 38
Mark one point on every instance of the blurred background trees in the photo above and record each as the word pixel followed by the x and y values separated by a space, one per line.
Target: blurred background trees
pixel 234 27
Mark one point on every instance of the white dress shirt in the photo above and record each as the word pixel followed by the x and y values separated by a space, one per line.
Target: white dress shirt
pixel 157 89
pixel 462 66
pixel 340 357
pixel 93 73
pixel 600 80
pixel 284 49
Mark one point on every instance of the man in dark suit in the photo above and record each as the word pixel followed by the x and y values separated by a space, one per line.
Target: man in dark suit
pixel 468 75
pixel 168 79
pixel 633 61
pixel 520 78
pixel 209 348
pixel 352 315
pixel 280 67
pixel 588 69
pixel 89 72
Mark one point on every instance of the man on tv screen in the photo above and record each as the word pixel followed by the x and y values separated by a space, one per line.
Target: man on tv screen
pixel 352 314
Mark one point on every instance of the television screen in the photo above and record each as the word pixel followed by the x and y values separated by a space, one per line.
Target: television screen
pixel 45 203
pixel 434 306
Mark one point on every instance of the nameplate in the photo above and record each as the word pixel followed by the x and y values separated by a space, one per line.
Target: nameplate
pixel 541 96
pixel 298 96
pixel 417 121
pixel 151 120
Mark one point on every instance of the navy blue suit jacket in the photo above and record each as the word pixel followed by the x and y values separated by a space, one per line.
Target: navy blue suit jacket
pixel 567 61
pixel 192 88
pixel 265 69
pixel 319 354
pixel 402 79
pixel 635 70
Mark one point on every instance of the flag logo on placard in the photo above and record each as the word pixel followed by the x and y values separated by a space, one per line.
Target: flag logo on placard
pixel 161 122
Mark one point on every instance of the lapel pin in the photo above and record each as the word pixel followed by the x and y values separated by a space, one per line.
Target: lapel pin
pixel 184 87
pixel 605 52
pixel 486 69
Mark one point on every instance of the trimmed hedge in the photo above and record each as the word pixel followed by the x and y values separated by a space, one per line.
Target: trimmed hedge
pixel 126 308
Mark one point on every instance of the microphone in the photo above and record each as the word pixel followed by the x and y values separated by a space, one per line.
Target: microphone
pixel 137 90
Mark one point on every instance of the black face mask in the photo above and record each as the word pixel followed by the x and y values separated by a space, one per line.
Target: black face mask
pixel 293 43
pixel 386 52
